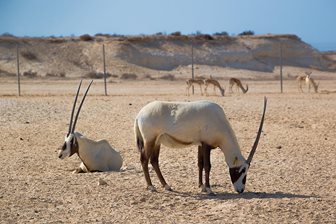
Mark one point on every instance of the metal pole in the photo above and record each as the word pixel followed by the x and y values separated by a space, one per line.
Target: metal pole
pixel 104 70
pixel 192 65
pixel 281 68
pixel 18 69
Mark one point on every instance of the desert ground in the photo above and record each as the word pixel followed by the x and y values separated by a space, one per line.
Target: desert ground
pixel 292 177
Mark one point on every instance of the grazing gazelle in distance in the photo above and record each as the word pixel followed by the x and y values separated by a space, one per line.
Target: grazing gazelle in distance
pixel 215 84
pixel 236 82
pixel 301 79
pixel 95 155
pixel 311 82
pixel 181 124
pixel 192 82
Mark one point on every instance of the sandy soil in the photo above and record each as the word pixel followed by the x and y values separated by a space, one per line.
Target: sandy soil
pixel 292 178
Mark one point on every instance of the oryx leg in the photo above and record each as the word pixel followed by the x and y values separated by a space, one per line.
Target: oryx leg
pixel 204 156
pixel 81 169
pixel 144 158
pixel 200 168
pixel 154 159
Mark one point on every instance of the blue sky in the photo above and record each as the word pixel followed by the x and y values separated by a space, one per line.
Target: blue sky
pixel 312 20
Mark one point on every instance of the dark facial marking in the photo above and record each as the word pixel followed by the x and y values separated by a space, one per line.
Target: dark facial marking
pixel 235 174
pixel 73 146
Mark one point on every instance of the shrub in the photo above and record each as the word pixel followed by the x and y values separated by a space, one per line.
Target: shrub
pixel 177 33
pixel 51 75
pixel 96 75
pixel 128 76
pixel 246 33
pixel 168 77
pixel 223 33
pixel 204 37
pixel 28 55
pixel 86 37
pixel 30 74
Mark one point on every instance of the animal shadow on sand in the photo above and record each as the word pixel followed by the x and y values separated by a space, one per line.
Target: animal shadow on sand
pixel 246 195
pixel 254 195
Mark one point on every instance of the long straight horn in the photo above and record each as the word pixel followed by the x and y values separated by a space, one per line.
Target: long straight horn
pixel 254 147
pixel 73 108
pixel 80 106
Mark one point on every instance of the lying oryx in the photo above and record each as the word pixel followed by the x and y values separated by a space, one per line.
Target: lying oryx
pixel 178 124
pixel 95 155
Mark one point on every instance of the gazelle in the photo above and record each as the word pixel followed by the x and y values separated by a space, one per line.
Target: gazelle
pixel 95 155
pixel 192 82
pixel 215 84
pixel 301 79
pixel 180 124
pixel 236 82
pixel 311 82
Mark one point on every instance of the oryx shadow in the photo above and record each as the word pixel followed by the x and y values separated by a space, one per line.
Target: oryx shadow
pixel 252 195
pixel 245 195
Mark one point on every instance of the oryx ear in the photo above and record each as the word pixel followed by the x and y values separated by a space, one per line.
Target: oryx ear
pixel 254 147
pixel 73 108
pixel 80 106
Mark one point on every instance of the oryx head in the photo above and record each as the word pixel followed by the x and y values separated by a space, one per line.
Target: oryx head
pixel 70 145
pixel 238 174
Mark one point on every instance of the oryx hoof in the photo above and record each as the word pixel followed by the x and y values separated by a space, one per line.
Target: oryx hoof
pixel 203 189
pixel 209 191
pixel 78 170
pixel 168 188
pixel 151 188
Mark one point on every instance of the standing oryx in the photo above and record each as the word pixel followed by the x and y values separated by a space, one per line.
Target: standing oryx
pixel 95 155
pixel 180 124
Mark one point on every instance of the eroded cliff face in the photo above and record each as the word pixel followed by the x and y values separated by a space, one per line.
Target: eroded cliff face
pixel 76 57
pixel 260 53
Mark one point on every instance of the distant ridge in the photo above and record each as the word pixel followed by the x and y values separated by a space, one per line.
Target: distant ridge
pixel 78 56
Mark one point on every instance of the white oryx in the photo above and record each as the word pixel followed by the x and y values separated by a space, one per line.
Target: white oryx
pixel 96 156
pixel 180 124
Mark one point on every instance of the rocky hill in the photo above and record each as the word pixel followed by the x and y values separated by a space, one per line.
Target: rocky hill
pixel 79 56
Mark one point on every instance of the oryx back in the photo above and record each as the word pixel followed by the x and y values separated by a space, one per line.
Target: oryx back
pixel 179 124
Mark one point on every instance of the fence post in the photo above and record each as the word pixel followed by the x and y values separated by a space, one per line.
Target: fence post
pixel 192 65
pixel 104 64
pixel 281 67
pixel 18 69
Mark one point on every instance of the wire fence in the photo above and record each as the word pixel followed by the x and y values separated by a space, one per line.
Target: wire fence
pixel 31 65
